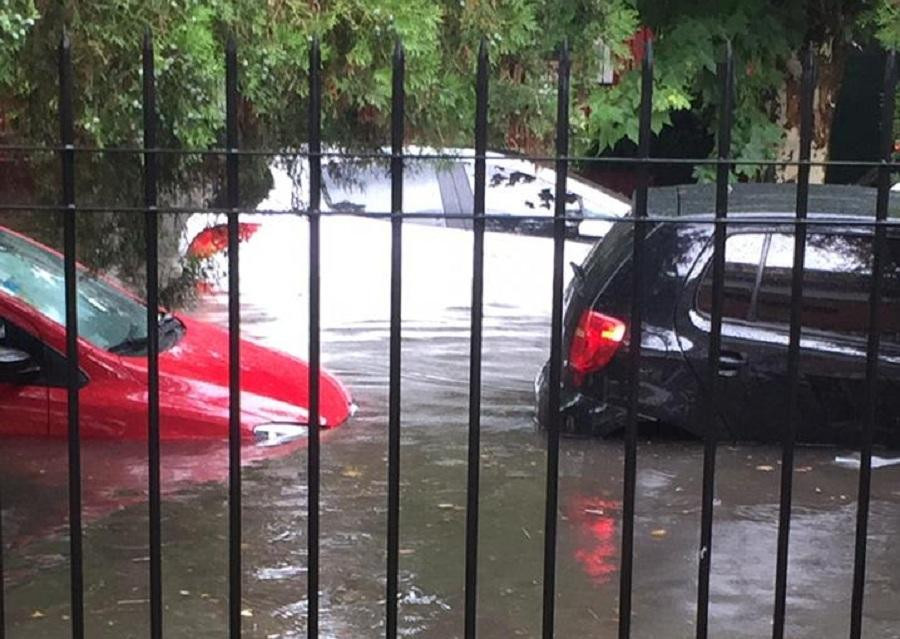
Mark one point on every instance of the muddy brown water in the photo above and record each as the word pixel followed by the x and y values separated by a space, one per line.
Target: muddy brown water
pixel 433 471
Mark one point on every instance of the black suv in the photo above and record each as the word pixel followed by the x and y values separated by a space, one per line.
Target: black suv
pixel 677 284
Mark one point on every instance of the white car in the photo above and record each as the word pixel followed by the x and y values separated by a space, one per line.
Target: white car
pixel 516 189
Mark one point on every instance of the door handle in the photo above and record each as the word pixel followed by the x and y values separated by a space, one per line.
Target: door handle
pixel 730 362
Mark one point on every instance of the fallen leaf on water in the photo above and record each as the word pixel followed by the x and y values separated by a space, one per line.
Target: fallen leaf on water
pixel 765 467
pixel 132 602
pixel 518 475
pixel 37 614
pixel 658 533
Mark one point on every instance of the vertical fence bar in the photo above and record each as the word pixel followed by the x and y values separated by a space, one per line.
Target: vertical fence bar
pixel 559 228
pixel 67 135
pixel 2 579
pixel 634 353
pixel 808 86
pixel 151 173
pixel 398 111
pixel 315 194
pixel 481 104
pixel 871 410
pixel 723 170
pixel 234 343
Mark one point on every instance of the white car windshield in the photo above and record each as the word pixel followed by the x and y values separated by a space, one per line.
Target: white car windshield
pixel 108 318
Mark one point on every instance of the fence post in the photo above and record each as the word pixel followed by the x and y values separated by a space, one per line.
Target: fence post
pixel 67 155
pixel 234 341
pixel 808 87
pixel 871 410
pixel 474 459
pixel 634 345
pixel 151 173
pixel 723 171
pixel 398 108
pixel 315 194
pixel 2 579
pixel 559 221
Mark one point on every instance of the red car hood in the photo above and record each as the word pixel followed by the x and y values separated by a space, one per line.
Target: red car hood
pixel 274 385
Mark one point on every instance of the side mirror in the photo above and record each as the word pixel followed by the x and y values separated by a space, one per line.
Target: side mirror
pixel 16 366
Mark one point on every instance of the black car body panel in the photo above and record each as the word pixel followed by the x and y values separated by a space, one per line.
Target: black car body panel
pixel 752 400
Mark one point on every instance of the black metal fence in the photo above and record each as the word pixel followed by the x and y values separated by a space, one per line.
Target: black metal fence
pixel 724 163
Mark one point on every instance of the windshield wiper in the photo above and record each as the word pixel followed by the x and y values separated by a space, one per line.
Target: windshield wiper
pixel 133 345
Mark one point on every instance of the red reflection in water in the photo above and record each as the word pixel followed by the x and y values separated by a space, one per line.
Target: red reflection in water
pixel 596 546
pixel 34 473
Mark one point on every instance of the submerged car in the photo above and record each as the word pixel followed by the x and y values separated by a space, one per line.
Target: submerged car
pixel 752 396
pixel 519 193
pixel 193 364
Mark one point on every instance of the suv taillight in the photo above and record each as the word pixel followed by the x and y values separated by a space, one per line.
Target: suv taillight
pixel 596 340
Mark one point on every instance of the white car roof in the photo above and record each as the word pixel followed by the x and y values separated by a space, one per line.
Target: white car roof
pixel 514 186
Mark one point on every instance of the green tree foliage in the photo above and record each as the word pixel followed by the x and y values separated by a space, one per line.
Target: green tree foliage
pixel 441 39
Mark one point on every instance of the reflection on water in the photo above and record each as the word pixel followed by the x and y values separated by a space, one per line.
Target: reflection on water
pixel 595 522
pixel 433 471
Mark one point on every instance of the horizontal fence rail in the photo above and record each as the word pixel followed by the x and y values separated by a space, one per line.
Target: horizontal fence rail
pixel 24 149
pixel 642 220
pixel 744 220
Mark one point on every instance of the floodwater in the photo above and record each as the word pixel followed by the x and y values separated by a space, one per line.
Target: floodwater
pixel 437 270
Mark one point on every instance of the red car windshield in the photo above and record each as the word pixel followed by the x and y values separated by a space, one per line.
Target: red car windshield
pixel 108 318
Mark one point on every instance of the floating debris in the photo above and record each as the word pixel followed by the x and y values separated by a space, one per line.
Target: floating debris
pixel 852 461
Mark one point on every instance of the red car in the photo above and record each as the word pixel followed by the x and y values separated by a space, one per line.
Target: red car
pixel 193 363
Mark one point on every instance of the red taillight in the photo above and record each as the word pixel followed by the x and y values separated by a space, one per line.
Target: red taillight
pixel 596 340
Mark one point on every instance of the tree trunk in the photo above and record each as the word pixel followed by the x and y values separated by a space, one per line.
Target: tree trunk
pixel 831 57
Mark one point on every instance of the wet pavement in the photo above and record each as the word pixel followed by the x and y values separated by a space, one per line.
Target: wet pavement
pixel 433 460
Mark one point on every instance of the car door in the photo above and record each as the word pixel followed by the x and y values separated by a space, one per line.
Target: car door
pixel 24 402
pixel 754 384
pixel 890 342
pixel 835 320
pixel 738 354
